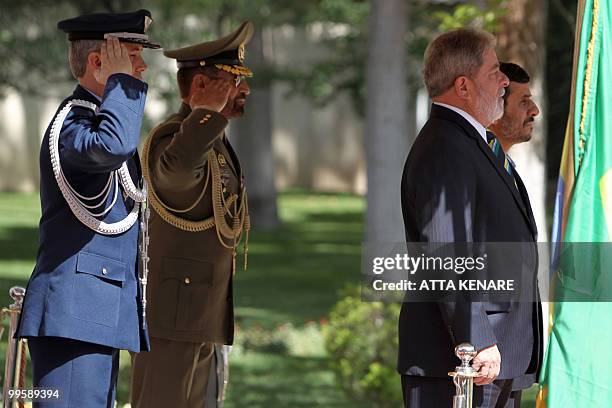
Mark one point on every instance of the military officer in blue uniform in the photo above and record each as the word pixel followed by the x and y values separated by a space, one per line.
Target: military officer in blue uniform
pixel 84 298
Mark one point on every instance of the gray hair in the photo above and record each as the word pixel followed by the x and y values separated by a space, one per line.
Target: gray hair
pixel 77 55
pixel 454 54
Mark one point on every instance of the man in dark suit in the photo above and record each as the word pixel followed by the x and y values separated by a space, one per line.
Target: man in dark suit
pixel 83 301
pixel 200 213
pixel 457 188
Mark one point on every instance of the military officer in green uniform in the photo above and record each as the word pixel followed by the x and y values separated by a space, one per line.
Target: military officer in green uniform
pixel 199 217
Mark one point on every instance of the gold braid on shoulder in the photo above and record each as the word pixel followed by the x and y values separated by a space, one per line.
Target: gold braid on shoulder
pixel 235 206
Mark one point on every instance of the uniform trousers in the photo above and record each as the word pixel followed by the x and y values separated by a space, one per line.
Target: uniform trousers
pixel 85 374
pixel 429 392
pixel 172 374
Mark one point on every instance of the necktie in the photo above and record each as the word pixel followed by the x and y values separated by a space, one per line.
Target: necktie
pixel 499 153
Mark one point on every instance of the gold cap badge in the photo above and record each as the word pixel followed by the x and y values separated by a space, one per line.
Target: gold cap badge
pixel 241 52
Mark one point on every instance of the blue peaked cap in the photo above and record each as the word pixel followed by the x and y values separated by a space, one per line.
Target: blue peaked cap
pixel 128 27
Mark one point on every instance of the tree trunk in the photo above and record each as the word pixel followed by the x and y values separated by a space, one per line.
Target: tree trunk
pixel 526 46
pixel 306 142
pixel 252 138
pixel 386 138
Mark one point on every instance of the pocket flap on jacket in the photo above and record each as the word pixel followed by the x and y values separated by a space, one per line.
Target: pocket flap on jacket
pixel 197 271
pixel 497 307
pixel 101 266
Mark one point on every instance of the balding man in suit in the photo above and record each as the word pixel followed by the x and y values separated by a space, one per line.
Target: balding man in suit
pixel 457 187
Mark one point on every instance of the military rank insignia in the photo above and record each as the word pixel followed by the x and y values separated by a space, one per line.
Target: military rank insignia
pixel 223 169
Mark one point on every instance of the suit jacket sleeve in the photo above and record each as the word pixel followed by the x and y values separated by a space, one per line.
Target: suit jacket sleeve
pixel 102 142
pixel 444 206
pixel 181 164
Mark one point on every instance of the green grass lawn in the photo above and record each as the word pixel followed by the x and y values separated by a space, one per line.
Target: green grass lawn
pixel 294 277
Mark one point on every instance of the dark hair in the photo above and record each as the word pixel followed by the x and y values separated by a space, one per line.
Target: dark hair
pixel 185 76
pixel 515 73
pixel 77 55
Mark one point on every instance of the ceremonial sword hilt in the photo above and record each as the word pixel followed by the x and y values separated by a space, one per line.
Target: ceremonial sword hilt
pixel 15 358
pixel 463 376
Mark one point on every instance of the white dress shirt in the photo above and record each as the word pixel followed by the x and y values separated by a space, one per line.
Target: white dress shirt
pixel 477 125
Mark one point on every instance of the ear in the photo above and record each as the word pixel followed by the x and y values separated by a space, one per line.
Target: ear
pixel 198 81
pixel 462 87
pixel 94 60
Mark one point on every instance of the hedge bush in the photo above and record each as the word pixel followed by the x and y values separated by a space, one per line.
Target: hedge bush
pixel 361 339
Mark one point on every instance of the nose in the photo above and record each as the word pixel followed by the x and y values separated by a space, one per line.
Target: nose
pixel 139 65
pixel 244 87
pixel 534 110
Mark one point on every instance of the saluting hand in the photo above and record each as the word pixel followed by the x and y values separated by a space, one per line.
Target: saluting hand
pixel 488 363
pixel 115 59
pixel 211 94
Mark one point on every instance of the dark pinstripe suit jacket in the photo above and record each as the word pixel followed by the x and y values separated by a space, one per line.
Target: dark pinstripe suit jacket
pixel 455 190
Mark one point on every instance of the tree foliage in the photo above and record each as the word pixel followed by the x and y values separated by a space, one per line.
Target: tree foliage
pixel 33 53
pixel 343 68
pixel 463 15
pixel 33 57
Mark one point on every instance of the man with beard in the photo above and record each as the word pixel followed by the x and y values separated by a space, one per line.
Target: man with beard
pixel 200 211
pixel 455 189
pixel 516 126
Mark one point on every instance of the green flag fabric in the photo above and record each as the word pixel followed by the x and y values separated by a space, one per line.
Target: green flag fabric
pixel 577 369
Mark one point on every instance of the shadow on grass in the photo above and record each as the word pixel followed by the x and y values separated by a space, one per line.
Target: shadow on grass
pixel 295 272
pixel 294 275
pixel 18 243
pixel 355 217
pixel 270 380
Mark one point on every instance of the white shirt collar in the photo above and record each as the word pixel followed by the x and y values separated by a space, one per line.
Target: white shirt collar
pixel 475 124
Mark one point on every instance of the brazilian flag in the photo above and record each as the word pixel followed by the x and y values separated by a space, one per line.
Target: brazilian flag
pixel 577 369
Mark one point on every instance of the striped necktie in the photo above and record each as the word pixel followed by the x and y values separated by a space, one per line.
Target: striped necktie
pixel 499 153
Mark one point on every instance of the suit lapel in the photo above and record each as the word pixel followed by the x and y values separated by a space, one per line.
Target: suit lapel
pixel 525 195
pixel 234 162
pixel 504 175
pixel 137 165
pixel 444 113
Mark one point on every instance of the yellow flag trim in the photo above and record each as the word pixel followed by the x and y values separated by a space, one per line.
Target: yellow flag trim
pixel 605 189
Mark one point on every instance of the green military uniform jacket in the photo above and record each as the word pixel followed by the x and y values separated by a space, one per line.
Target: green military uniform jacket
pixel 190 272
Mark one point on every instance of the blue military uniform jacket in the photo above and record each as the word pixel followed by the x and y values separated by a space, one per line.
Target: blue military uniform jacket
pixel 85 285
